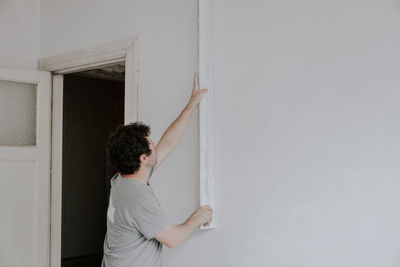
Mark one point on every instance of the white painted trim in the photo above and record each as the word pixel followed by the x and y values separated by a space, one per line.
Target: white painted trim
pixel 88 58
pixel 56 173
pixel 43 142
pixel 28 153
pixel 94 57
pixel 98 56
pixel 206 107
pixel 20 75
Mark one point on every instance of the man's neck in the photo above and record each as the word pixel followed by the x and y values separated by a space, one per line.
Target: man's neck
pixel 142 175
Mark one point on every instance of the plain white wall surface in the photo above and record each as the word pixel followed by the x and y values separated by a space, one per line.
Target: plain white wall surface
pixel 307 130
pixel 306 115
pixel 19 31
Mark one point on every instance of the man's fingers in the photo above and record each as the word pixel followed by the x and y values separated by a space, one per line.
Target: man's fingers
pixel 207 207
pixel 208 222
pixel 195 81
pixel 203 92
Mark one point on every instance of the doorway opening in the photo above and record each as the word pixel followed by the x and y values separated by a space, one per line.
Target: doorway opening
pixel 93 106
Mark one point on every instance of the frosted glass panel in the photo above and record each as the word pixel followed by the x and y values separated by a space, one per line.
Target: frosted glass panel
pixel 17 113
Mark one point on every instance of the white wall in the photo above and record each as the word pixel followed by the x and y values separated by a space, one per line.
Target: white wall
pixel 19 31
pixel 307 135
pixel 306 122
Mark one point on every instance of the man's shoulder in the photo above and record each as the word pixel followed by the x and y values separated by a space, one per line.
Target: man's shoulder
pixel 128 190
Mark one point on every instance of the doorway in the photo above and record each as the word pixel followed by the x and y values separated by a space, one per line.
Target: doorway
pixel 93 106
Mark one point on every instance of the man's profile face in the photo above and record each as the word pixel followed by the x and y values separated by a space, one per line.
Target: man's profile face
pixel 152 159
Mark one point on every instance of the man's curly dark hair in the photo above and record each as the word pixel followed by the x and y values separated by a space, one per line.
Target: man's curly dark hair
pixel 126 144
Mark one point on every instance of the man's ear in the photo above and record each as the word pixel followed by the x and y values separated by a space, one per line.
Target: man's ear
pixel 143 158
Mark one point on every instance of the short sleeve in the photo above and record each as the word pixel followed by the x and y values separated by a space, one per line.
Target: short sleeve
pixel 150 219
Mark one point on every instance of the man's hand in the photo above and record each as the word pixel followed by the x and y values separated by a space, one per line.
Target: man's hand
pixel 197 94
pixel 202 216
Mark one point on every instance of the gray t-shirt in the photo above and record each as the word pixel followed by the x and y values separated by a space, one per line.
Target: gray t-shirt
pixel 134 218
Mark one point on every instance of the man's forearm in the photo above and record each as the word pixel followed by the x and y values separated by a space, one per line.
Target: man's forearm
pixel 173 235
pixel 183 231
pixel 177 129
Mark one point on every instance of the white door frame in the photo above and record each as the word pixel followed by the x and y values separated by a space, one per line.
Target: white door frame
pixel 81 60
pixel 107 54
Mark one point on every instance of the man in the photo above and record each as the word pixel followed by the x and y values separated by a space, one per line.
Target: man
pixel 137 226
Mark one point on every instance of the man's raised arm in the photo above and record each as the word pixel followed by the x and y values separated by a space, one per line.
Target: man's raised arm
pixel 176 130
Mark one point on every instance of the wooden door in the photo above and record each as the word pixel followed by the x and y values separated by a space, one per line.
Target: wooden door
pixel 25 152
